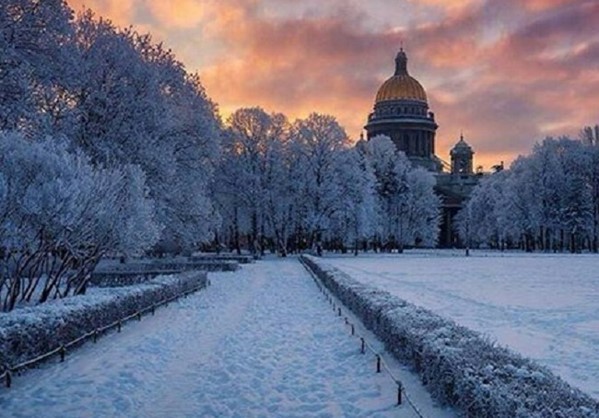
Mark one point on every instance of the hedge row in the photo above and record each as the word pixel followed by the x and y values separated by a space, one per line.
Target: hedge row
pixel 30 332
pixel 127 274
pixel 459 367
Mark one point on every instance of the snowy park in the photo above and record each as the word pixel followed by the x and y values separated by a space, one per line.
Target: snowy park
pixel 262 341
pixel 252 233
pixel 543 306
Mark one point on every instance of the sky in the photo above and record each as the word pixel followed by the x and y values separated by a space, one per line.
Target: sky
pixel 506 73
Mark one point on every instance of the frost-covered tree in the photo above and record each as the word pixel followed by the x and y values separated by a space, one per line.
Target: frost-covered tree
pixel 253 187
pixel 37 65
pixel 317 143
pixel 137 105
pixel 422 209
pixel 62 216
pixel 544 201
pixel 356 219
pixel 590 138
pixel 407 205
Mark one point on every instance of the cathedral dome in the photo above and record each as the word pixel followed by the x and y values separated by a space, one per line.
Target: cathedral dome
pixel 401 86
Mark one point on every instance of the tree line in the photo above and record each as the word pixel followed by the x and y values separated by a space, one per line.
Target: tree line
pixel 546 201
pixel 107 147
pixel 290 186
pixel 110 147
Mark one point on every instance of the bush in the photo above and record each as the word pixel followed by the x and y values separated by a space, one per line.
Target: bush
pixel 460 367
pixel 30 332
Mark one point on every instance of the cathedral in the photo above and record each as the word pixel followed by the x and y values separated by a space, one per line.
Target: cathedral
pixel 401 112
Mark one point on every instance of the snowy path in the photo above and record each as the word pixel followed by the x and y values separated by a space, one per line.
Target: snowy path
pixel 261 342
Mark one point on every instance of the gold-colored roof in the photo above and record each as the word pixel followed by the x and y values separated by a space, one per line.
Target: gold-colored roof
pixel 400 87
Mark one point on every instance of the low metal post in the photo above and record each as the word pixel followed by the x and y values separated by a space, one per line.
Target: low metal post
pixel 353 330
pixel 95 335
pixel 399 389
pixel 118 326
pixel 63 352
pixel 139 316
pixel 378 363
pixel 363 348
pixel 153 309
pixel 8 379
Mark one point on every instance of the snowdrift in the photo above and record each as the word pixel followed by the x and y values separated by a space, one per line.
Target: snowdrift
pixel 30 332
pixel 460 367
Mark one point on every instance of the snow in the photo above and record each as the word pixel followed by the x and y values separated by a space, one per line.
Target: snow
pixel 541 305
pixel 262 341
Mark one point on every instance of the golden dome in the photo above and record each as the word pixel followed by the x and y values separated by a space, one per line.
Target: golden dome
pixel 401 85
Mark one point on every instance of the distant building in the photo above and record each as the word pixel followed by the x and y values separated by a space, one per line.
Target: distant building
pixel 401 112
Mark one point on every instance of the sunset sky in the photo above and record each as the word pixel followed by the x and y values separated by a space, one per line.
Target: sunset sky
pixel 505 72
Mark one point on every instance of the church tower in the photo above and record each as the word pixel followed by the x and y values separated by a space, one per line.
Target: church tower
pixel 401 112
pixel 461 158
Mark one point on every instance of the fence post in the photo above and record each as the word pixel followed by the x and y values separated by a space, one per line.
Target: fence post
pixel 378 363
pixel 95 335
pixel 118 326
pixel 399 388
pixel 63 352
pixel 8 379
pixel 353 330
pixel 362 349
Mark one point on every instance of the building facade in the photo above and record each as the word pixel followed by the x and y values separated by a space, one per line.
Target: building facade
pixel 401 112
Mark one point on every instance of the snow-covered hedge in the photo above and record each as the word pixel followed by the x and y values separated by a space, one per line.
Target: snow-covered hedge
pixel 241 259
pixel 29 332
pixel 460 367
pixel 134 273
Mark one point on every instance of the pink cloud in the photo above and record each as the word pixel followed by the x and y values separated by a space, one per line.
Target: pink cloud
pixel 506 72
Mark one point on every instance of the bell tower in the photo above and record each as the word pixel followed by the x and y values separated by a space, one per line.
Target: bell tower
pixel 461 158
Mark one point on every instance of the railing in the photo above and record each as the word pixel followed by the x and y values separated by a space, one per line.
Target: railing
pixel 7 375
pixel 364 344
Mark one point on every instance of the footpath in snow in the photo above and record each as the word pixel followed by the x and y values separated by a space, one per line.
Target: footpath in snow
pixel 260 342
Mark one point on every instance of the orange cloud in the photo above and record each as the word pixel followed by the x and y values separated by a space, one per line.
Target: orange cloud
pixel 506 72
pixel 179 14
pixel 121 12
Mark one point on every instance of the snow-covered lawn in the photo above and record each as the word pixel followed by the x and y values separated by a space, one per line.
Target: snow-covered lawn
pixel 260 342
pixel 544 306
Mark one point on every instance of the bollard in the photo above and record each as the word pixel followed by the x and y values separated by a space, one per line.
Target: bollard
pixel 339 311
pixel 95 335
pixel 378 363
pixel 118 326
pixel 153 309
pixel 363 348
pixel 63 352
pixel 399 388
pixel 139 316
pixel 353 330
pixel 8 379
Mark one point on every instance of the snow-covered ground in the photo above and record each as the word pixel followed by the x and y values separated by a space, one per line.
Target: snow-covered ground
pixel 260 342
pixel 544 306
